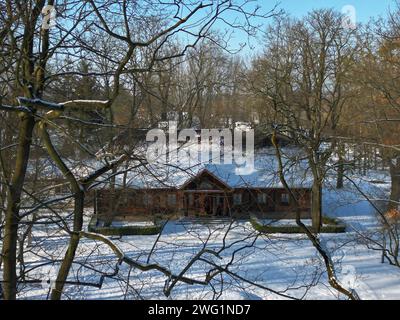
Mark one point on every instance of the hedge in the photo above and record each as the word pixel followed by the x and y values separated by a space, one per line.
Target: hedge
pixel 124 231
pixel 331 226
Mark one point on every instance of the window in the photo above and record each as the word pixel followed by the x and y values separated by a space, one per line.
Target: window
pixel 237 198
pixel 191 200
pixel 262 198
pixel 134 199
pixel 147 199
pixel 172 200
pixel 285 199
pixel 206 185
pixel 157 200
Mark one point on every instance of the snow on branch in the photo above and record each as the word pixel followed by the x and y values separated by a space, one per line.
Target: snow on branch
pixel 43 104
pixel 86 104
pixel 39 103
pixel 14 109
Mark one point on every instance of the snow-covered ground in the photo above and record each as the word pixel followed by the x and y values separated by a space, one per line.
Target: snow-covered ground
pixel 283 222
pixel 132 223
pixel 286 264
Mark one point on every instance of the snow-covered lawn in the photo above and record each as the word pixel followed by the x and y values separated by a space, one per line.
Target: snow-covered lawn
pixel 287 264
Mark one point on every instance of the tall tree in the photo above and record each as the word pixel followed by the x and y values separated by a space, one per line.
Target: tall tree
pixel 302 78
pixel 35 52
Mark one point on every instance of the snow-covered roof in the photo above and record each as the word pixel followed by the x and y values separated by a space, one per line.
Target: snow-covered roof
pixel 264 174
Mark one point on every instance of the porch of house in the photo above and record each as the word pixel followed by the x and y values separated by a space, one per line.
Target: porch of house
pixel 207 203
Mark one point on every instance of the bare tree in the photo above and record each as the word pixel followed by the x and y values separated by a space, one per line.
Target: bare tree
pixel 302 78
pixel 36 55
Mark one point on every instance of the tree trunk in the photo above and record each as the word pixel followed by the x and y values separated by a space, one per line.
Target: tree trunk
pixel 395 189
pixel 7 159
pixel 340 169
pixel 364 161
pixel 3 203
pixel 65 268
pixel 316 207
pixel 13 206
pixel 113 200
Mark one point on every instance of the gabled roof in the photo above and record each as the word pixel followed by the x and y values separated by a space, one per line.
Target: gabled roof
pixel 201 173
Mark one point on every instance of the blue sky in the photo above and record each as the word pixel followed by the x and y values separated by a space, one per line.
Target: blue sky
pixel 364 9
